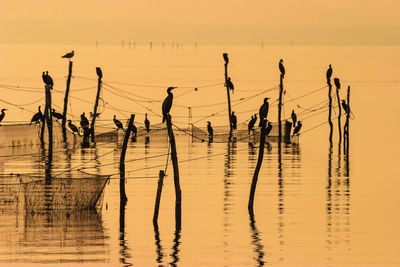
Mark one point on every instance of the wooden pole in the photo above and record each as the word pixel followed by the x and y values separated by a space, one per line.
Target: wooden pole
pixel 174 158
pixel 339 116
pixel 49 117
pixel 66 100
pixel 122 159
pixel 158 196
pixel 280 108
pixel 346 126
pixel 225 55
pixel 330 110
pixel 258 166
pixel 100 76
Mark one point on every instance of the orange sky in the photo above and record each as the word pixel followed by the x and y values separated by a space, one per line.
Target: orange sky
pixel 207 21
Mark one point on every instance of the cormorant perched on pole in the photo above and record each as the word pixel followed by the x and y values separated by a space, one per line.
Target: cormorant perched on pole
pixel 344 105
pixel 118 124
pixel 252 122
pixel 84 121
pixel 210 130
pixel 264 111
pixel 268 129
pixel 68 55
pixel 57 115
pixel 329 73
pixel 147 123
pixel 37 116
pixel 229 84
pixel 73 128
pixel 234 120
pixel 2 114
pixel 99 72
pixel 167 104
pixel 47 79
pixel 294 118
pixel 297 129
pixel 282 68
pixel 337 83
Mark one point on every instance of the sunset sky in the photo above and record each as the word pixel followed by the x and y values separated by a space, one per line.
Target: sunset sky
pixel 306 22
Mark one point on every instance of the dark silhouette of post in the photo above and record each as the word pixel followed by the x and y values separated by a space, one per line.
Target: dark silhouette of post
pixel 346 126
pixel 49 117
pixel 158 196
pixel 258 166
pixel 225 55
pixel 174 158
pixel 122 159
pixel 330 110
pixel 64 119
pixel 100 76
pixel 280 108
pixel 337 84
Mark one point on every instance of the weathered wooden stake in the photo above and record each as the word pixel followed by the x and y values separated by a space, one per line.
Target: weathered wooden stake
pixel 122 159
pixel 100 76
pixel 225 55
pixel 66 101
pixel 346 126
pixel 330 110
pixel 280 108
pixel 339 116
pixel 174 158
pixel 49 117
pixel 158 196
pixel 258 166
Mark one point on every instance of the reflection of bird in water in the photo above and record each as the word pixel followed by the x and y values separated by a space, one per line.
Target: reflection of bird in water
pixel 84 121
pixel 167 104
pixel 57 115
pixel 297 129
pixel 329 73
pixel 282 68
pixel 233 120
pixel 268 129
pixel 252 122
pixel 337 83
pixel 68 55
pixel 294 118
pixel 147 123
pixel 47 79
pixel 345 106
pixel 229 84
pixel 73 128
pixel 3 114
pixel 210 129
pixel 118 123
pixel 264 111
pixel 37 116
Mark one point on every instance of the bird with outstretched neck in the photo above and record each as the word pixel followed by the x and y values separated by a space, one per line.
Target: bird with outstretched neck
pixel 69 55
pixel 167 104
pixel 118 124
pixel 252 122
pixel 263 112
pixel 297 128
pixel 38 116
pixel 3 114
pixel 147 123
pixel 73 128
pixel 282 68
pixel 294 118
pixel 56 115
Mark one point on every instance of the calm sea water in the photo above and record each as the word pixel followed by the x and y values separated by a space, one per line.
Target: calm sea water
pixel 313 207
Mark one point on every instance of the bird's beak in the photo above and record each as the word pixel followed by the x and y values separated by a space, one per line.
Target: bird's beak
pixel 173 88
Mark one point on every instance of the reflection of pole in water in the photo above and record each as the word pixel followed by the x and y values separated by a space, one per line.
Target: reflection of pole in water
pixel 228 173
pixel 177 238
pixel 281 194
pixel 159 248
pixel 256 240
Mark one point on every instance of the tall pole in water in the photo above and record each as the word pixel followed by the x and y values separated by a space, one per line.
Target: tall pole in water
pixel 280 108
pixel 100 76
pixel 49 117
pixel 346 126
pixel 225 55
pixel 337 84
pixel 64 119
pixel 330 109
pixel 122 160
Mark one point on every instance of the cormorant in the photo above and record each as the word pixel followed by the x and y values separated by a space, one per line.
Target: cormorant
pixel 294 118
pixel 47 79
pixel 99 72
pixel 68 55
pixel 118 124
pixel 210 130
pixel 37 116
pixel 229 84
pixel 263 111
pixel 344 105
pixel 57 115
pixel 147 123
pixel 2 114
pixel 84 121
pixel 268 129
pixel 252 122
pixel 297 129
pixel 233 120
pixel 167 104
pixel 329 73
pixel 73 128
pixel 282 68
pixel 337 83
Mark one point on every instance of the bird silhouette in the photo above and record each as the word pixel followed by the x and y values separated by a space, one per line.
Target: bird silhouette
pixel 167 104
pixel 118 124
pixel 294 118
pixel 38 116
pixel 233 120
pixel 229 84
pixel 297 129
pixel 147 123
pixel 345 106
pixel 134 132
pixel 268 129
pixel 329 73
pixel 68 55
pixel 99 72
pixel 84 121
pixel 3 114
pixel 210 129
pixel 337 83
pixel 47 79
pixel 263 111
pixel 252 122
pixel 73 128
pixel 282 68
pixel 57 115
pixel 225 55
